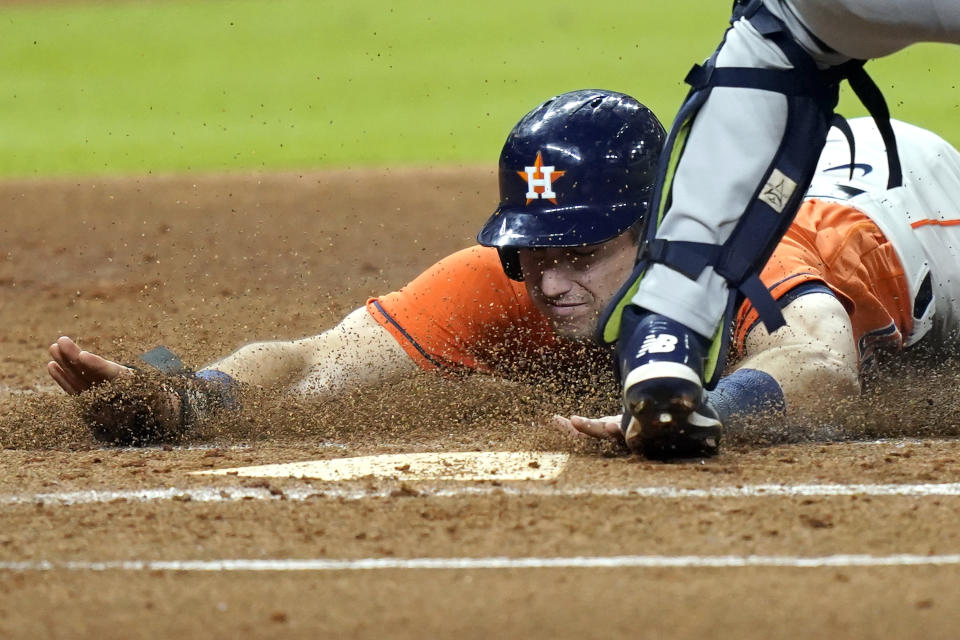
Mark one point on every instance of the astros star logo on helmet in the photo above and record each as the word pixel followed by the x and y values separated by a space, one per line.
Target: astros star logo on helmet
pixel 540 180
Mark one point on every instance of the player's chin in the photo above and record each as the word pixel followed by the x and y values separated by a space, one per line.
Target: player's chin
pixel 577 330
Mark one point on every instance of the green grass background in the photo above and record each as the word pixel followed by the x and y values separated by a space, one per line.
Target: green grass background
pixel 138 87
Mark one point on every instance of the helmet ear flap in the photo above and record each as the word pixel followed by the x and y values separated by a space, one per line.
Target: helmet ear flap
pixel 510 259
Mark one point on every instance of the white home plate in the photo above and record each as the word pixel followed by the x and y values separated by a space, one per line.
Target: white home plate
pixel 487 465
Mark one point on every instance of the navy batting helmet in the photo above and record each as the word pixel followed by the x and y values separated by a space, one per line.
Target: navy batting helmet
pixel 577 170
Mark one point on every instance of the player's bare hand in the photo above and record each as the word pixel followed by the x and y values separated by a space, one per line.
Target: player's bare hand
pixel 605 428
pixel 76 371
pixel 130 410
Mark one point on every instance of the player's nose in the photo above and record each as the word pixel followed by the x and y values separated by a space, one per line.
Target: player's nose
pixel 555 280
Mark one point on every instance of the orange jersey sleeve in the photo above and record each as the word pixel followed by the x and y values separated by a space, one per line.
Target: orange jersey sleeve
pixel 842 248
pixel 463 312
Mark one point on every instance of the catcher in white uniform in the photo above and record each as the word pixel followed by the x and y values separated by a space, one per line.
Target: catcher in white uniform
pixel 739 159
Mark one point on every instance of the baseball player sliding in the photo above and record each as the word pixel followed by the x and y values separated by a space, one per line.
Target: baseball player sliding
pixel 862 268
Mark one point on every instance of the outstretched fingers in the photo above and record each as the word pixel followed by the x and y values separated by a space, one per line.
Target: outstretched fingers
pixel 61 378
pixel 67 371
pixel 605 428
pixel 76 371
pixel 566 427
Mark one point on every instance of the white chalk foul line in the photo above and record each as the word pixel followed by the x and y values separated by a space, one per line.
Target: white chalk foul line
pixel 576 562
pixel 304 492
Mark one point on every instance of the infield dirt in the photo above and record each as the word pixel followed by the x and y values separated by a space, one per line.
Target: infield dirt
pixel 204 264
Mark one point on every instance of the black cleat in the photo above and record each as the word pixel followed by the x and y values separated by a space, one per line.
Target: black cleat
pixel 661 364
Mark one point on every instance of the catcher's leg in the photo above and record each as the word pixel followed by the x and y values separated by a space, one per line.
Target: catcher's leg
pixel 740 155
pixel 867 28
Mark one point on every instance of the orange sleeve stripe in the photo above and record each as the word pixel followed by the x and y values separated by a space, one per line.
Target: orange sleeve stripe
pixel 404 339
pixel 930 222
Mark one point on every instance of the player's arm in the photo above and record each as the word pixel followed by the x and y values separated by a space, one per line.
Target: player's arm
pixel 808 366
pixel 463 300
pixel 356 353
pixel 813 358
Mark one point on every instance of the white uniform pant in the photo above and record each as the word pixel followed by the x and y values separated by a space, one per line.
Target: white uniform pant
pixel 736 134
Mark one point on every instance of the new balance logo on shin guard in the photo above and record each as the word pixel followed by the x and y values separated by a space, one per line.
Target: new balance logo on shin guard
pixel 661 343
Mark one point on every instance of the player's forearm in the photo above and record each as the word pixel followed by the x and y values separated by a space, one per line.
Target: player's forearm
pixel 813 358
pixel 357 353
pixel 800 380
pixel 813 377
pixel 265 364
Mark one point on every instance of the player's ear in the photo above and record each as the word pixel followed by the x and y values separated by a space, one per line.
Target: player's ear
pixel 510 259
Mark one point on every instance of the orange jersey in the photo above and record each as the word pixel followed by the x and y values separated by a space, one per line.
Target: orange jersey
pixel 464 313
pixel 839 246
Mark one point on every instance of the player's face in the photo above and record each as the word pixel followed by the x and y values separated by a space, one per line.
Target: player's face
pixel 572 286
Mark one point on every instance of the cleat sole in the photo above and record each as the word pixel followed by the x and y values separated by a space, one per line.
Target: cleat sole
pixel 665 423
